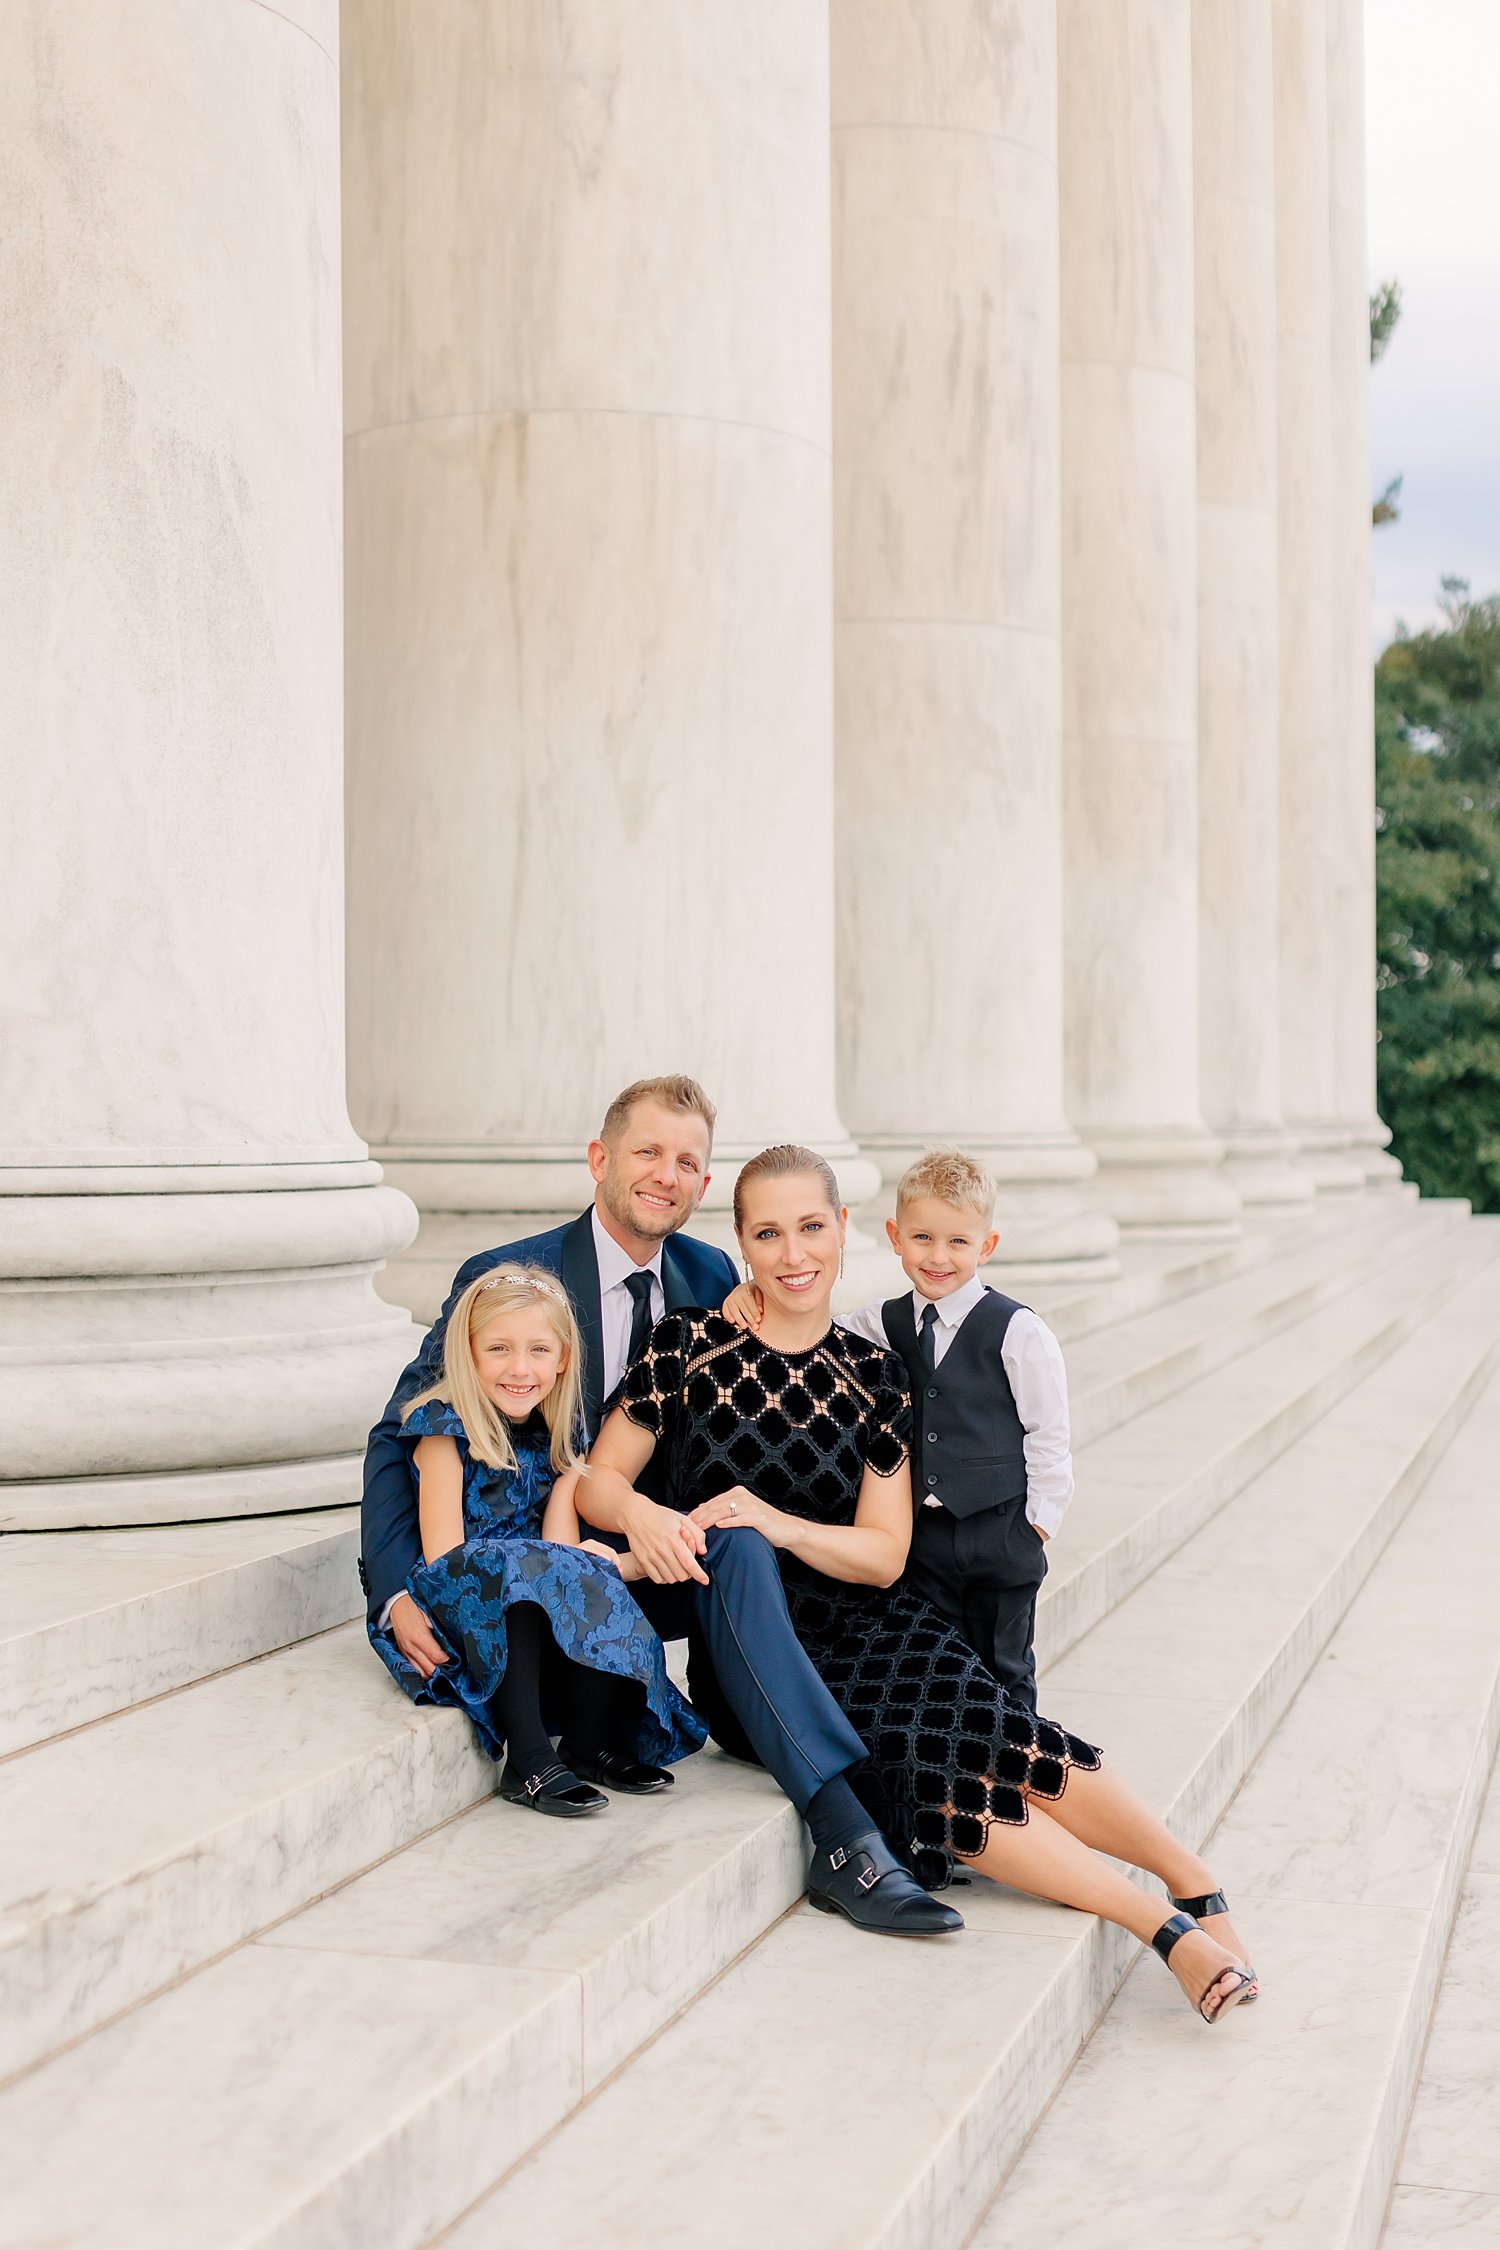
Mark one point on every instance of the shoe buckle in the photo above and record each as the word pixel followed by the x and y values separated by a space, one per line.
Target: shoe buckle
pixel 836 1859
pixel 870 1877
pixel 533 1785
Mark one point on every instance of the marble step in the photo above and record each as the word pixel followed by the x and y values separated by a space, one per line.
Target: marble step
pixel 311 2072
pixel 1343 1853
pixel 1153 1482
pixel 99 1621
pixel 846 2091
pixel 203 1768
pixel 1123 1371
pixel 367 2068
pixel 1446 2194
pixel 94 1621
pixel 138 1848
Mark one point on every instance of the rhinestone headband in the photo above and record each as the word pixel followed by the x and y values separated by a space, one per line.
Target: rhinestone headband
pixel 534 1281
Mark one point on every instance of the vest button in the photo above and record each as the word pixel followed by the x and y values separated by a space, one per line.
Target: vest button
pixel 932 1390
pixel 932 1480
pixel 932 1437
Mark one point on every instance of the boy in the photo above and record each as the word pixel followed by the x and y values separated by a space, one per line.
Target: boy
pixel 992 1470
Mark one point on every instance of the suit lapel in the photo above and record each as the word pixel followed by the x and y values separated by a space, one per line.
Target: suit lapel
pixel 580 1274
pixel 676 1289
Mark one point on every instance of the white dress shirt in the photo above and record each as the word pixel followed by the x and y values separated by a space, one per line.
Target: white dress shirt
pixel 616 1305
pixel 1033 1363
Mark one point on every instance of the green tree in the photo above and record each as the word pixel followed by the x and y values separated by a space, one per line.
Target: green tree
pixel 1437 766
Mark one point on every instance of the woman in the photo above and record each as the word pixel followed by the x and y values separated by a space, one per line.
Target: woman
pixel 798 1435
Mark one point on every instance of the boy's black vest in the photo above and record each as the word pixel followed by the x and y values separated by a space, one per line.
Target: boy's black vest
pixel 968 1442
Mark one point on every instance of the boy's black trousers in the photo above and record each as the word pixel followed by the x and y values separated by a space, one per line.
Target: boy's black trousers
pixel 982 1574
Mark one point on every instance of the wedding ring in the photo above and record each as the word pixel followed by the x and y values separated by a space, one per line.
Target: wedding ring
pixel 734 1507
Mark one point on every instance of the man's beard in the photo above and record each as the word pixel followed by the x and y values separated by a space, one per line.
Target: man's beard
pixel 627 1214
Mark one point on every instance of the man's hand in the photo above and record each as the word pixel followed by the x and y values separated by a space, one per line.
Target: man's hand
pixel 411 1630
pixel 744 1307
pixel 665 1544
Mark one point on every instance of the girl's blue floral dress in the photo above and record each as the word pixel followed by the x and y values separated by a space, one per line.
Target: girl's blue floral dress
pixel 505 1560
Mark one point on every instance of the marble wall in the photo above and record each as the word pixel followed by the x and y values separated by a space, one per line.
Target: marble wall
pixel 188 1223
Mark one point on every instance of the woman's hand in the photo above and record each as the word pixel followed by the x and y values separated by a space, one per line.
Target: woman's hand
pixel 739 1508
pixel 744 1307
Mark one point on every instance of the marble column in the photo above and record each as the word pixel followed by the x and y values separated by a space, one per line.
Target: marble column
pixel 1313 762
pixel 589 586
pixel 188 1225
pixel 1129 577
pixel 1353 729
pixel 947 604
pixel 1238 843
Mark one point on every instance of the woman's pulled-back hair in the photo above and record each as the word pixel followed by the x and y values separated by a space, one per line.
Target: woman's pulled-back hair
pixel 786 1161
pixel 507 1289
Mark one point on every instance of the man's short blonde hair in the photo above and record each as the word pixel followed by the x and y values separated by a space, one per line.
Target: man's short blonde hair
pixel 684 1095
pixel 951 1177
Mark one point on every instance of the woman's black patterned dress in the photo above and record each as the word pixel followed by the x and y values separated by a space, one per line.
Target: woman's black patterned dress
pixel 949 1752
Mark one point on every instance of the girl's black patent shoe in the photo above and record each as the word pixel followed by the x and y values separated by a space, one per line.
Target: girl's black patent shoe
pixel 556 1790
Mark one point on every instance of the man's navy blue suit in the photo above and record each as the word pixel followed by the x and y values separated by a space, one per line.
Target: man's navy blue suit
pixel 759 1691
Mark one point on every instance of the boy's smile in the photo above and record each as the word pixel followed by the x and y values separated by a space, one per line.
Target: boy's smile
pixel 940 1245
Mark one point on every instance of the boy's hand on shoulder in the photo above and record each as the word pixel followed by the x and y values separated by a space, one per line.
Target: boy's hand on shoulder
pixel 744 1307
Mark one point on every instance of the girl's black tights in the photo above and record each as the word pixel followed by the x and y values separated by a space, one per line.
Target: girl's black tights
pixel 598 1711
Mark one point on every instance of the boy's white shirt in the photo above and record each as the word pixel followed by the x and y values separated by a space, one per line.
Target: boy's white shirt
pixel 1033 1362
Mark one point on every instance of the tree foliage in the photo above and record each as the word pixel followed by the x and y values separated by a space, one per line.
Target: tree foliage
pixel 1437 762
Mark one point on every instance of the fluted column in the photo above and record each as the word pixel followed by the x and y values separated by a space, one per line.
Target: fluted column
pixel 188 1225
pixel 1130 614
pixel 1353 728
pixel 589 584
pixel 1238 843
pixel 947 603
pixel 1313 761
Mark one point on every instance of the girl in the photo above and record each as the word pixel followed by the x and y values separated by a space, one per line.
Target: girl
pixel 541 1631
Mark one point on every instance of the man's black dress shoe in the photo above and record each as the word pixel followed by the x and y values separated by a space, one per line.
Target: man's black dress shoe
pixel 615 1769
pixel 865 1882
pixel 556 1790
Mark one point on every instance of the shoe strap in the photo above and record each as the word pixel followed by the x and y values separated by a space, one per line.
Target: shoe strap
pixel 550 1780
pixel 869 1857
pixel 1212 1902
pixel 1175 1926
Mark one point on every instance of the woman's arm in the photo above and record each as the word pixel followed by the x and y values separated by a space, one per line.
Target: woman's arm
pixel 665 1544
pixel 871 1551
pixel 561 1525
pixel 440 1496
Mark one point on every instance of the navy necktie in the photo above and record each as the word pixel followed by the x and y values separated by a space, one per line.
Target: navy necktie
pixel 639 1285
pixel 929 1338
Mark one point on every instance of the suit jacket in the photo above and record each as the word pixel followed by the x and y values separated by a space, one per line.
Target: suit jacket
pixel 692 1273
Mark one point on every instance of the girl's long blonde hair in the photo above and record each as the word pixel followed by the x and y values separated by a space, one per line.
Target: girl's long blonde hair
pixel 507 1289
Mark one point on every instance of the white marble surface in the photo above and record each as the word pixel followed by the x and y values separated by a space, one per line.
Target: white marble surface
pixel 641 1907
pixel 947 466
pixel 1238 840
pixel 137 1848
pixel 1342 1854
pixel 291 2101
pixel 589 587
pixel 96 1621
pixel 170 646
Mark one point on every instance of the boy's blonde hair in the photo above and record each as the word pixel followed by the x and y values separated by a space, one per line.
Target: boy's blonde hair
pixel 951 1177
pixel 507 1289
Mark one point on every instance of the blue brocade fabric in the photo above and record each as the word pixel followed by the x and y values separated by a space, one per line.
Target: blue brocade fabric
pixel 504 1560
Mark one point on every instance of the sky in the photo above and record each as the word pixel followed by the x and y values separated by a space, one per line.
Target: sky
pixel 1432 91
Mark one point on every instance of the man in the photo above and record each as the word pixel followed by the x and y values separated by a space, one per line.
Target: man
pixel 625 1262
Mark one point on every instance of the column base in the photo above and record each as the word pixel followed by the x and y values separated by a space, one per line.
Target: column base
pixel 1049 1229
pixel 1325 1153
pixel 1368 1149
pixel 188 1353
pixel 1166 1186
pixel 1262 1169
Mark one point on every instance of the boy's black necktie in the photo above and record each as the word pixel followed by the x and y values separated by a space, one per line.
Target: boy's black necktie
pixel 929 1338
pixel 639 1285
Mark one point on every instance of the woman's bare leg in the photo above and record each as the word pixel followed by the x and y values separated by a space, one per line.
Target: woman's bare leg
pixel 1045 1859
pixel 1103 1811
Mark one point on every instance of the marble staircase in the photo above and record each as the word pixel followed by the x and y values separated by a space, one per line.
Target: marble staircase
pixel 267 1939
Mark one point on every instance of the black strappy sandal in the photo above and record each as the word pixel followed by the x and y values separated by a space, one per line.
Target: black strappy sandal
pixel 556 1790
pixel 1178 1926
pixel 1214 1902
